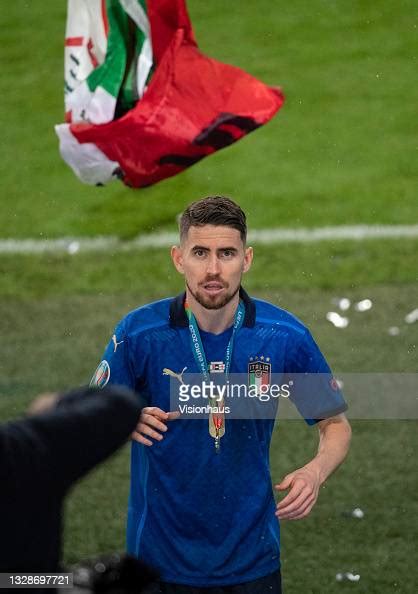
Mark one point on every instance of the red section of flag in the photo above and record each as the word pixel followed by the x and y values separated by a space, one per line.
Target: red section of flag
pixel 93 58
pixel 167 17
pixel 104 18
pixel 74 41
pixel 193 106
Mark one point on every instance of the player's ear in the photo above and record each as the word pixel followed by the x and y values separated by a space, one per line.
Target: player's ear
pixel 177 257
pixel 248 259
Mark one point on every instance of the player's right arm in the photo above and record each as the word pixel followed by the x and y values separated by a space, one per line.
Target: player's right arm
pixel 120 365
pixel 117 365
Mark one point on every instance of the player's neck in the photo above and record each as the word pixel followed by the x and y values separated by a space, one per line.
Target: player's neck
pixel 215 321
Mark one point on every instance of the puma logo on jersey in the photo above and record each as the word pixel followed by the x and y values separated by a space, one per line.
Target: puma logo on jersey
pixel 179 376
pixel 115 343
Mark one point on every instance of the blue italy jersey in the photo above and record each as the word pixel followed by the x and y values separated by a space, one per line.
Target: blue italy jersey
pixel 200 518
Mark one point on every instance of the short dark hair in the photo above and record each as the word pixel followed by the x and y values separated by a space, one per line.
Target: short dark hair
pixel 214 210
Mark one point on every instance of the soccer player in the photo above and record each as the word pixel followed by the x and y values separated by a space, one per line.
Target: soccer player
pixel 202 509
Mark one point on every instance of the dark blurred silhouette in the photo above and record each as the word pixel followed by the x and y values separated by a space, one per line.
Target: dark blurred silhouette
pixel 42 456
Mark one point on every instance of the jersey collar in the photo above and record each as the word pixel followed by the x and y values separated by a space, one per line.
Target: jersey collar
pixel 178 315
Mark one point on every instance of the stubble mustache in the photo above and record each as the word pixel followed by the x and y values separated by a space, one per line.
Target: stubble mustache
pixel 213 279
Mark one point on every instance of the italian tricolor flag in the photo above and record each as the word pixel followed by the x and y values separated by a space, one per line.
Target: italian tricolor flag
pixel 142 102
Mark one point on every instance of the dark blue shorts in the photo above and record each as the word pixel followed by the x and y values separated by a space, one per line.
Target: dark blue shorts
pixel 270 584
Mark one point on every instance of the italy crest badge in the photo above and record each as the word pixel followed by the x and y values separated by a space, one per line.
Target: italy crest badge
pixel 259 374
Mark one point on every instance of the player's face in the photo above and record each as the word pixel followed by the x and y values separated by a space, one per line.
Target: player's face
pixel 212 260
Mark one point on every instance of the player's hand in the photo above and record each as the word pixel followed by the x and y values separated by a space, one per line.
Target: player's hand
pixel 152 424
pixel 303 485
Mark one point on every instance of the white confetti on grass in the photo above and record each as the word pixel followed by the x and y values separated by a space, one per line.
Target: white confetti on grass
pixel 394 331
pixel 337 320
pixel 412 316
pixel 343 303
pixel 363 305
pixel 348 576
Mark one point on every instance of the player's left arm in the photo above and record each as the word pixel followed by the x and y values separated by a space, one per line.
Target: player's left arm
pixel 304 483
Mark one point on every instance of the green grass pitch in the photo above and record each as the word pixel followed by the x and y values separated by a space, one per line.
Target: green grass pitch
pixel 341 151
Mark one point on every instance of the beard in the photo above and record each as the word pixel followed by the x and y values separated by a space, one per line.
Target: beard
pixel 215 302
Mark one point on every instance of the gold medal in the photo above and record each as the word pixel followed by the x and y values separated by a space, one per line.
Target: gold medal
pixel 217 408
pixel 217 423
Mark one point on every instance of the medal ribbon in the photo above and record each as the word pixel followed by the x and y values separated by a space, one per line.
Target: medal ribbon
pixel 200 356
pixel 197 345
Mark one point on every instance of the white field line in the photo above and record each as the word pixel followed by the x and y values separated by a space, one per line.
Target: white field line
pixel 73 245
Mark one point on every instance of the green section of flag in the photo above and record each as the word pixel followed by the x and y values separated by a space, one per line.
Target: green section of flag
pixel 117 74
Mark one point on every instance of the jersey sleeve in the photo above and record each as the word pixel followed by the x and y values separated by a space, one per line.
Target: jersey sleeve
pixel 115 366
pixel 314 390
